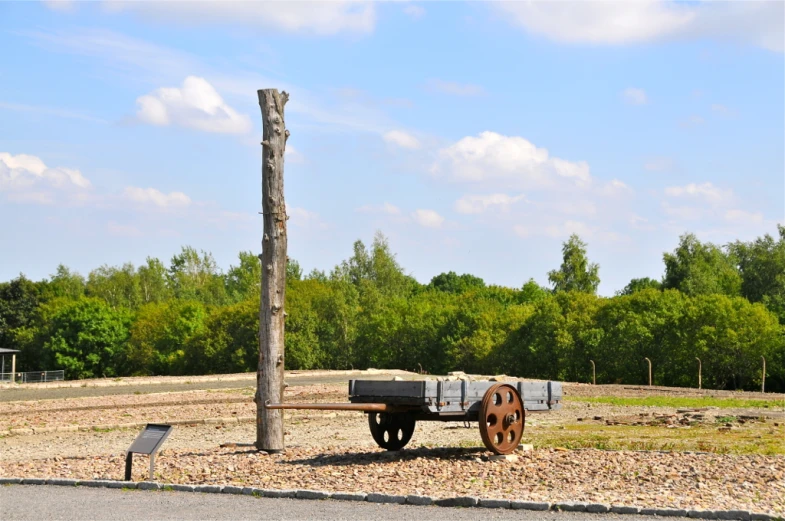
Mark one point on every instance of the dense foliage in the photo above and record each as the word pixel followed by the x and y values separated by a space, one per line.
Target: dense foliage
pixel 725 305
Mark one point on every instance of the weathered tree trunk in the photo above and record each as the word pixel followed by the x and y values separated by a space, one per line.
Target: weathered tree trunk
pixel 269 376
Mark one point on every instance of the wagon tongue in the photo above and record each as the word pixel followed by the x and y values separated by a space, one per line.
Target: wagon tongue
pixel 364 407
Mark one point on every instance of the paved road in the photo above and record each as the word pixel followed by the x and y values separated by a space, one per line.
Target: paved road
pixel 41 503
pixel 27 393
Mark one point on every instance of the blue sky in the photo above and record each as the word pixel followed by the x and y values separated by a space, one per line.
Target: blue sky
pixel 475 136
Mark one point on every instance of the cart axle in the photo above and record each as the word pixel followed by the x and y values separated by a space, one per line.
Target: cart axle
pixel 364 407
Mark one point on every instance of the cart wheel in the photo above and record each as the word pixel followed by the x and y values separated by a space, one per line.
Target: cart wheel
pixel 391 431
pixel 501 418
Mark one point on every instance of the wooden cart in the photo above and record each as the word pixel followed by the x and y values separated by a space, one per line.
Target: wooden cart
pixel 394 407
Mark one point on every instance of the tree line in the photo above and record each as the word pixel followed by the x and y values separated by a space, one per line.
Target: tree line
pixel 723 304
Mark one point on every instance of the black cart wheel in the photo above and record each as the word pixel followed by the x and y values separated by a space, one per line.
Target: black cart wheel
pixel 391 431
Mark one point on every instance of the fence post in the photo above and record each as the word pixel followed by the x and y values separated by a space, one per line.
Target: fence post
pixel 699 371
pixel 763 376
pixel 593 373
pixel 649 361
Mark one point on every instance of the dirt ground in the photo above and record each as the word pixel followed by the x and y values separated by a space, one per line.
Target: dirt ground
pixel 705 457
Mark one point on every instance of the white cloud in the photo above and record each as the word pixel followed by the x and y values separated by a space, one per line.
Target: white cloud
pixel 631 22
pixel 428 218
pixel 302 218
pixel 633 96
pixel 156 197
pixel 196 105
pixel 26 178
pixel 512 160
pixel 321 18
pixel 684 213
pixel 705 191
pixel 658 164
pixel 60 5
pixel 453 88
pixel 402 139
pixel 386 208
pixel 415 11
pixel 692 121
pixel 474 204
pixel 615 188
pixel 722 109
pixel 564 230
pixel 48 111
pixel 122 230
pixel 292 155
pixel 743 217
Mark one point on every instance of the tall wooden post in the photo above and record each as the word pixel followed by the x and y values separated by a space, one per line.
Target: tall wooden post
pixel 269 376
pixel 593 373
pixel 700 366
pixel 649 361
pixel 763 376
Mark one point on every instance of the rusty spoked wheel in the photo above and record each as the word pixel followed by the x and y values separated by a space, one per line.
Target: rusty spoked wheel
pixel 391 431
pixel 501 418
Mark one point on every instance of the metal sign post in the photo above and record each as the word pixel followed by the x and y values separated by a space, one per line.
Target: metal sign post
pixel 148 442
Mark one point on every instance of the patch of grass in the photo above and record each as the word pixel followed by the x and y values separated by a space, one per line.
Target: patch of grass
pixel 676 401
pixel 98 429
pixel 726 419
pixel 754 438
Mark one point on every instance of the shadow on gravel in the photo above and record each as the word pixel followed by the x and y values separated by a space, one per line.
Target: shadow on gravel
pixel 368 458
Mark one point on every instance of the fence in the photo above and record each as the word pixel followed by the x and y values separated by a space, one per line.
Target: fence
pixel 33 377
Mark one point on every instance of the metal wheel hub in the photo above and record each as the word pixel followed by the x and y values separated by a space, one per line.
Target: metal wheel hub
pixel 502 418
pixel 391 431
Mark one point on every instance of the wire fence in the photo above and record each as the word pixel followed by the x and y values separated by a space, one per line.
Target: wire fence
pixel 33 377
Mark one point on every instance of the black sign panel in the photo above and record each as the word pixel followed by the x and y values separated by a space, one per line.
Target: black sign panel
pixel 150 439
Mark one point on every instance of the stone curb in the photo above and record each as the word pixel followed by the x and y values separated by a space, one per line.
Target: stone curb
pixel 460 501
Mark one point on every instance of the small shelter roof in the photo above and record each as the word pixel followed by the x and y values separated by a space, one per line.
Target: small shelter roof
pixel 4 351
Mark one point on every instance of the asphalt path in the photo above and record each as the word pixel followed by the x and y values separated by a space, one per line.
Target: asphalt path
pixel 43 502
pixel 58 393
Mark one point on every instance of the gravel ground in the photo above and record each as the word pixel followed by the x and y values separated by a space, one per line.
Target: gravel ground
pixel 334 451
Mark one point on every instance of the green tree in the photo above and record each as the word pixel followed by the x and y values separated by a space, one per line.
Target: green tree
pixel 532 292
pixel 762 267
pixel 245 280
pixel 454 283
pixel 19 301
pixel 85 337
pixel 152 281
pixel 576 272
pixel 65 283
pixel 160 337
pixel 695 268
pixel 636 285
pixel 195 276
pixel 119 287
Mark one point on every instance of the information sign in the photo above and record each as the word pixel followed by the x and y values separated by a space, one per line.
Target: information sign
pixel 148 442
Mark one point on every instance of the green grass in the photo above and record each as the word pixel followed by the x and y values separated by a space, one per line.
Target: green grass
pixel 677 401
pixel 754 438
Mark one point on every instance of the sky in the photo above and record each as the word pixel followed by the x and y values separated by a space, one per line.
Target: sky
pixel 477 137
